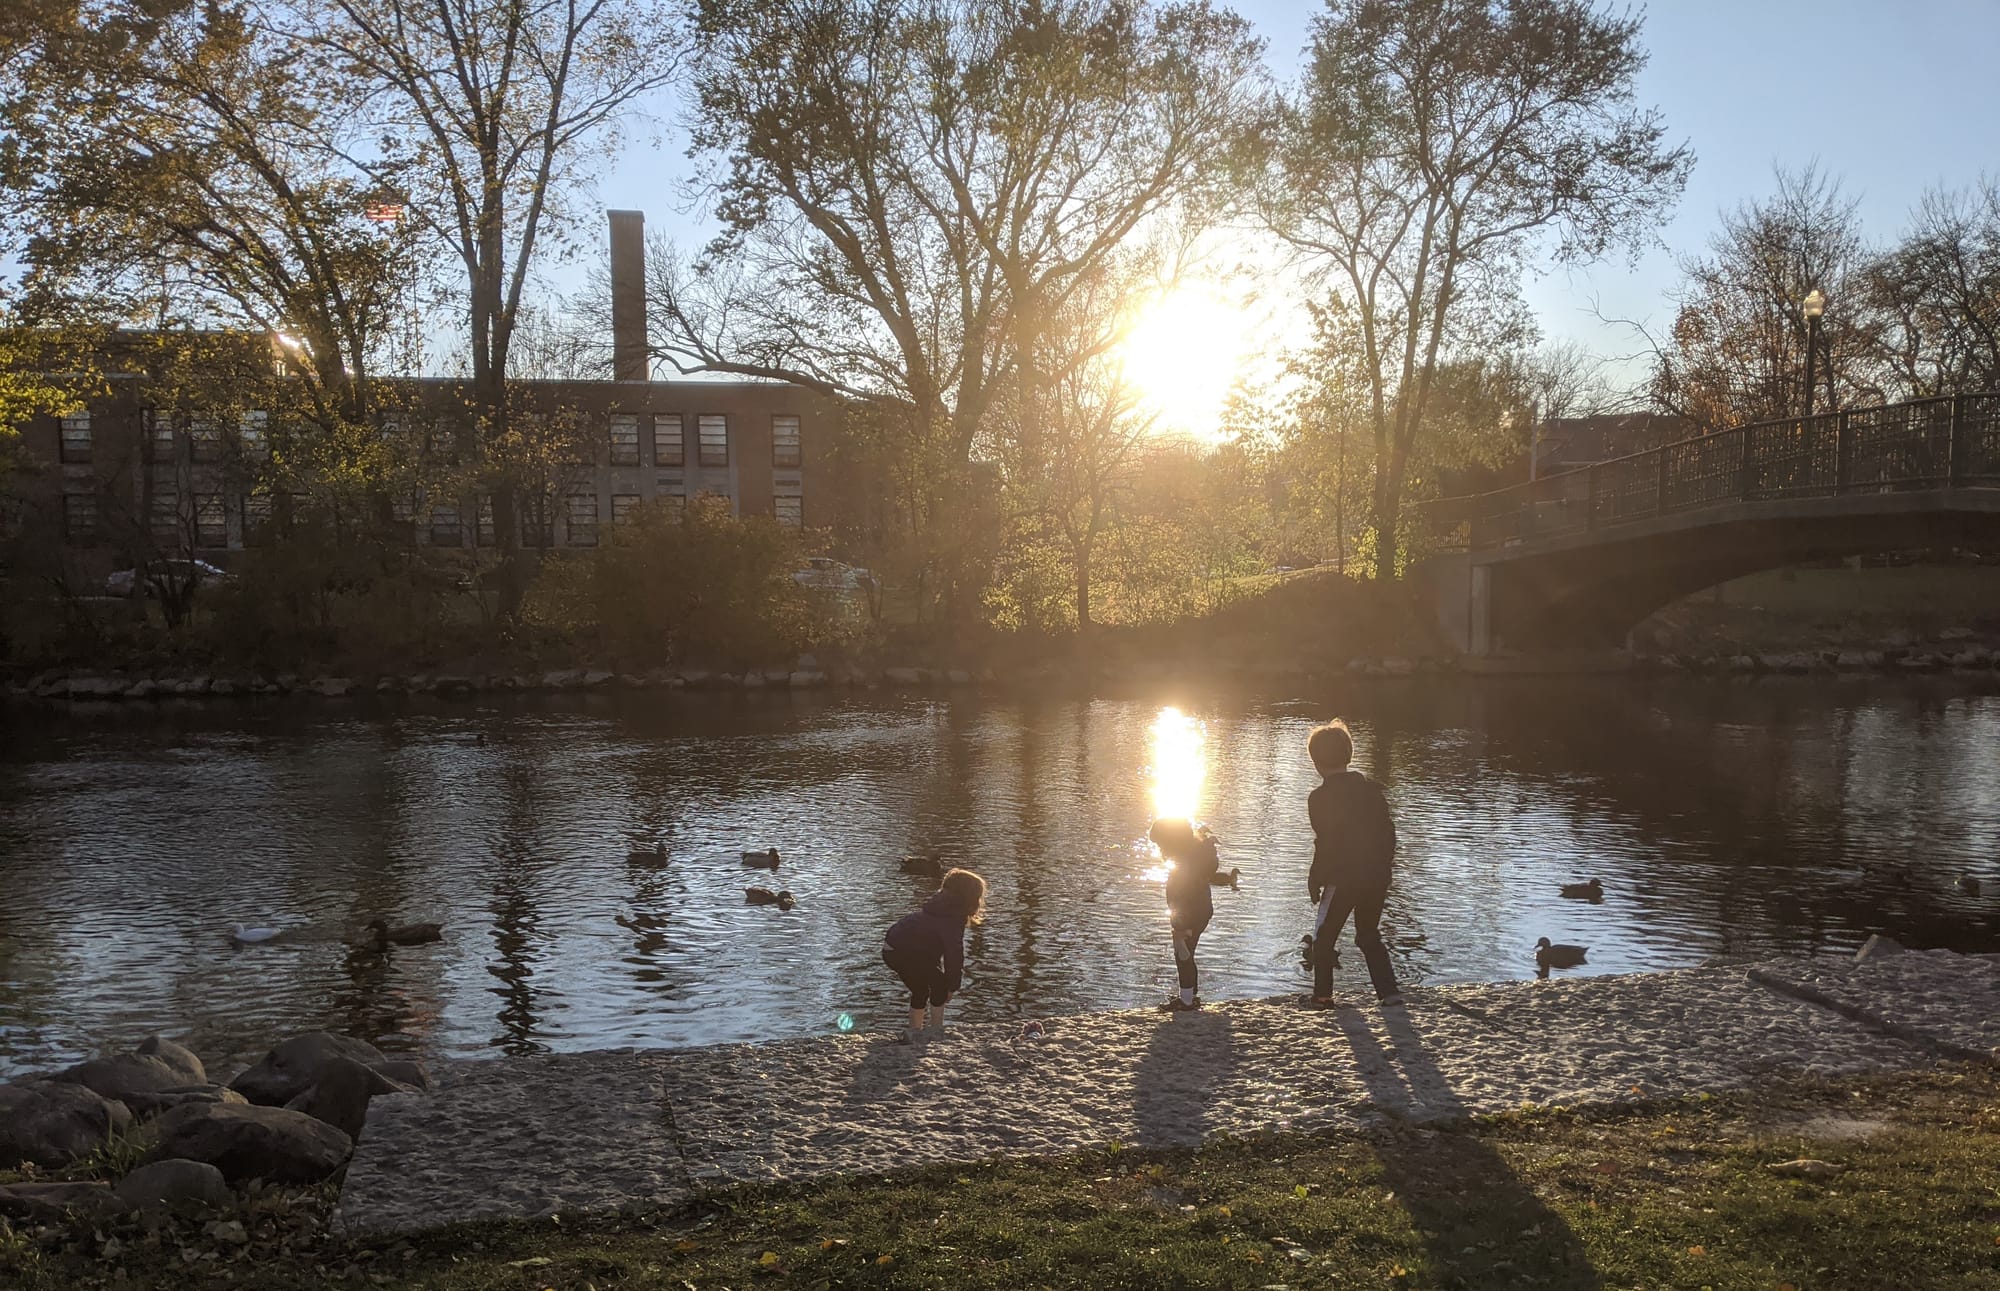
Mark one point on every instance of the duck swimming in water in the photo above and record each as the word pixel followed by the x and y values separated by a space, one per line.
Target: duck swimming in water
pixel 381 936
pixel 764 860
pixel 764 896
pixel 1591 891
pixel 655 855
pixel 1225 878
pixel 931 867
pixel 1556 955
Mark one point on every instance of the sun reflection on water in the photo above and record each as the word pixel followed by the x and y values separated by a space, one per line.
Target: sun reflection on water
pixel 1180 765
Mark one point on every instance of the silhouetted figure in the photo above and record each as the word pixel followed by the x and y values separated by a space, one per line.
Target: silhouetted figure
pixel 1354 851
pixel 1192 872
pixel 927 949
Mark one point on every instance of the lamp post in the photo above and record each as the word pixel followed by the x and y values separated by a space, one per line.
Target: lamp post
pixel 1812 307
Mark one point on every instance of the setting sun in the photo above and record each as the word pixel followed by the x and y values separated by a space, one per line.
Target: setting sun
pixel 1180 764
pixel 1182 353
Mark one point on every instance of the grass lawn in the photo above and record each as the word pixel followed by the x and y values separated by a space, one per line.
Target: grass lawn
pixel 1677 1195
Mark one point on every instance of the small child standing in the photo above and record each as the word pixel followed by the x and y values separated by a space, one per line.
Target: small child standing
pixel 1354 848
pixel 927 949
pixel 1191 854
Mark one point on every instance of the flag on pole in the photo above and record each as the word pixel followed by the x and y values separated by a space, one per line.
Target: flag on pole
pixel 383 212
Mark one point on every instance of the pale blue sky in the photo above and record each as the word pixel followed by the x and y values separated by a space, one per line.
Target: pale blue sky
pixel 1890 97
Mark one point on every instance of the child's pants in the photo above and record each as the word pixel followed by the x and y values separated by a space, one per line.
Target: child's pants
pixel 1186 937
pixel 1365 904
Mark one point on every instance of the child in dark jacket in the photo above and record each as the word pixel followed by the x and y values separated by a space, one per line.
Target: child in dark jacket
pixel 927 949
pixel 1191 852
pixel 1354 847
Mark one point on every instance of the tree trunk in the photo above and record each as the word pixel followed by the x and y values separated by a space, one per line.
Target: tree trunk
pixel 1083 591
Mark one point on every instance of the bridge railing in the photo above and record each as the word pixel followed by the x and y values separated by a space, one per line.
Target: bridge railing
pixel 1922 444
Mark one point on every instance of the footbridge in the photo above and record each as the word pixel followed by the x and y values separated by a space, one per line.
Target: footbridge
pixel 1575 561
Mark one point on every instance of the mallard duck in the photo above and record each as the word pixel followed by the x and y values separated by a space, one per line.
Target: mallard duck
pixel 927 866
pixel 654 855
pixel 1556 955
pixel 764 896
pixel 764 860
pixel 1225 878
pixel 1969 885
pixel 1591 891
pixel 381 936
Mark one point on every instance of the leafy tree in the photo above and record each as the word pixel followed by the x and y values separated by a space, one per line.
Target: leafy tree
pixel 1737 350
pixel 1432 147
pixel 914 189
pixel 1935 297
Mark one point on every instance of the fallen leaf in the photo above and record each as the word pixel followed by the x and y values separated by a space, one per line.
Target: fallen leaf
pixel 1224 1211
pixel 1697 1250
pixel 833 1243
pixel 1299 1190
pixel 1786 1286
pixel 885 1259
pixel 532 1262
pixel 1606 1167
pixel 1806 1168
pixel 769 1259
pixel 684 1246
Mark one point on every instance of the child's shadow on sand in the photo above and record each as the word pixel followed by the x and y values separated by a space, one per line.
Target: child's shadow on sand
pixel 1187 1058
pixel 1459 1191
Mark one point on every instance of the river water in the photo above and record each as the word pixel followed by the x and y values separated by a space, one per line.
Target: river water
pixel 1723 818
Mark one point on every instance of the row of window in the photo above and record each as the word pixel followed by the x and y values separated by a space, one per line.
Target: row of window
pixel 669 443
pixel 207 521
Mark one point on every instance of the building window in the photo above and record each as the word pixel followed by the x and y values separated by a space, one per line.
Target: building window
pixel 785 441
pixel 205 440
pixel 211 525
pixel 583 519
pixel 714 432
pixel 675 503
pixel 538 522
pixel 257 519
pixel 669 447
pixel 79 516
pixel 624 439
pixel 446 531
pixel 165 520
pixel 76 439
pixel 625 507
pixel 484 533
pixel 162 437
pixel 788 511
pixel 250 433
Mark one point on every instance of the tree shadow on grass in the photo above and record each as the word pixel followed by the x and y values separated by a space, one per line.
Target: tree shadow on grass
pixel 1482 1226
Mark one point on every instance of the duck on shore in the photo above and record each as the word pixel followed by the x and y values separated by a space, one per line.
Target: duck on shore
pixel 381 936
pixel 1591 891
pixel 930 867
pixel 1556 955
pixel 655 855
pixel 764 860
pixel 764 896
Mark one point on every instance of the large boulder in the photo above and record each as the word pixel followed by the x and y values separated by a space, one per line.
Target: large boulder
pixel 407 1072
pixel 134 1079
pixel 244 1143
pixel 295 1066
pixel 55 1201
pixel 176 1185
pixel 340 1096
pixel 52 1123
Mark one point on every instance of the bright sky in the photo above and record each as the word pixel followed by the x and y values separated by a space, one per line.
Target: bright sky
pixel 1891 97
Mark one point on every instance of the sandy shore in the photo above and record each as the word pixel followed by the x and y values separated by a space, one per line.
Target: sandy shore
pixel 633 1130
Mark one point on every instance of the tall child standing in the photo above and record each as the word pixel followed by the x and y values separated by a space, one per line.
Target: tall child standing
pixel 1354 850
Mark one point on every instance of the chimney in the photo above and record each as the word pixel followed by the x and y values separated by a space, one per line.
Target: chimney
pixel 628 296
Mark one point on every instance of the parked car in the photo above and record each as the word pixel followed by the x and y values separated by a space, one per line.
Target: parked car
pixel 829 575
pixel 123 581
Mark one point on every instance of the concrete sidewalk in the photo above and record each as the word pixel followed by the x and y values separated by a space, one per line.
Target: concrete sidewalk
pixel 623 1130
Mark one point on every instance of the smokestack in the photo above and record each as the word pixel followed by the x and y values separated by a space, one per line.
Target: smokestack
pixel 628 296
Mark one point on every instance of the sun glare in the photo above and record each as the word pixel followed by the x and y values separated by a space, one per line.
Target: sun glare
pixel 1180 764
pixel 1182 353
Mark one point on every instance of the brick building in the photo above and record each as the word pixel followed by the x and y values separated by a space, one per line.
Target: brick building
pixel 189 478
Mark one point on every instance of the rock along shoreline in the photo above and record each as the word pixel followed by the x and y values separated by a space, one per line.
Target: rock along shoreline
pixel 87 686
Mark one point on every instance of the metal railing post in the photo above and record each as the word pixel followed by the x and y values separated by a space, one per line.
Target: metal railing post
pixel 1843 454
pixel 1746 468
pixel 1590 498
pixel 1961 452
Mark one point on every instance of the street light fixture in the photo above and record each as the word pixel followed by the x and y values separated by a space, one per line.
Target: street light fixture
pixel 1812 307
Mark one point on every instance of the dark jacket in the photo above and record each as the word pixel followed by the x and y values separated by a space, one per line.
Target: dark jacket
pixel 933 937
pixel 1354 837
pixel 1189 899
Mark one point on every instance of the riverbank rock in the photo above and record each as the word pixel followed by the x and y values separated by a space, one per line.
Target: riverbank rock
pixel 331 687
pixel 296 1066
pixel 177 1186
pixel 137 1080
pixel 406 1071
pixel 52 1123
pixel 1879 947
pixel 340 1095
pixel 56 1200
pixel 179 1058
pixel 244 1143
